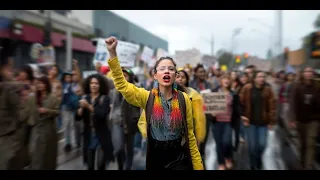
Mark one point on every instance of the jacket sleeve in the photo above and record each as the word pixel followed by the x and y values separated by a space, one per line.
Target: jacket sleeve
pixel 142 124
pixel 199 117
pixel 133 95
pixel 272 107
pixel 194 151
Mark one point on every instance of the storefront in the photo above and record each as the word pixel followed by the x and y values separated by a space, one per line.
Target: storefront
pixel 83 50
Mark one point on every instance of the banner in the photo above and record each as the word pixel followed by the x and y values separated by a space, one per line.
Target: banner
pixel 126 53
pixel 147 54
pixel 215 102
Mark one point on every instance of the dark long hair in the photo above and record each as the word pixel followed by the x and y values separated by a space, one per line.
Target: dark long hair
pixel 28 70
pixel 103 84
pixel 46 82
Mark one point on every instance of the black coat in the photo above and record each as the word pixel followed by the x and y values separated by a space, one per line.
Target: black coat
pixel 100 118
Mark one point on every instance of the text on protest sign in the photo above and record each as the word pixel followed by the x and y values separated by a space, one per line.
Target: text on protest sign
pixel 215 102
pixel 126 53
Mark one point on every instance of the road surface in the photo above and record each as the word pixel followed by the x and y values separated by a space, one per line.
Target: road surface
pixel 272 159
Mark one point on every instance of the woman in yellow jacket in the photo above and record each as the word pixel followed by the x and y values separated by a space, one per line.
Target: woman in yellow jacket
pixel 171 141
pixel 197 106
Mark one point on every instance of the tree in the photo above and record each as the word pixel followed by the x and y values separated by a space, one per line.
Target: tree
pixel 224 57
pixel 306 40
pixel 316 23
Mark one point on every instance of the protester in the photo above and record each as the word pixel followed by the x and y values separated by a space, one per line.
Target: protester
pixel 124 120
pixel 259 108
pixel 165 141
pixel 94 111
pixel 305 115
pixel 197 106
pixel 46 146
pixel 224 124
pixel 10 141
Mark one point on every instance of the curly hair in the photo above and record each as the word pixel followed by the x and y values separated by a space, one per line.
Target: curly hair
pixel 103 84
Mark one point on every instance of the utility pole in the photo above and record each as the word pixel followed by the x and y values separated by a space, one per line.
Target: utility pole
pixel 212 45
pixel 68 49
pixel 279 19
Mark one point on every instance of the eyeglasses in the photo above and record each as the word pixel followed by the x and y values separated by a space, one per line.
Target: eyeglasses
pixel 171 69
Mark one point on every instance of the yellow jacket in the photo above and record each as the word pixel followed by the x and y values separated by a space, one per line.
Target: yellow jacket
pixel 139 96
pixel 198 117
pixel 198 114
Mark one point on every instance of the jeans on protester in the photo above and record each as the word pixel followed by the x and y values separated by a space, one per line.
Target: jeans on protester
pixel 123 147
pixel 68 124
pixel 222 132
pixel 257 142
pixel 59 122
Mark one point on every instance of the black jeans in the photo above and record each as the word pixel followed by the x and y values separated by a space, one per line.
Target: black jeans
pixel 168 155
pixel 100 158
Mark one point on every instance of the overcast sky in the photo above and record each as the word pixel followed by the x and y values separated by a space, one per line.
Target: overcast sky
pixel 185 29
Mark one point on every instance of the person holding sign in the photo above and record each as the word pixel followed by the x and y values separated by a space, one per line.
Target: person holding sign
pixel 169 121
pixel 225 121
pixel 259 109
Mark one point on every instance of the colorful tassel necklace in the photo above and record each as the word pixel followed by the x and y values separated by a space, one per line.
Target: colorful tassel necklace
pixel 158 116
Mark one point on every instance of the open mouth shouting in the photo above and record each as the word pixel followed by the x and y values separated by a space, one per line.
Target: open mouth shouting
pixel 166 78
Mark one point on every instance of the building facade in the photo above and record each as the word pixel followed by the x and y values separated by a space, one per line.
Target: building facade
pixel 33 23
pixel 107 23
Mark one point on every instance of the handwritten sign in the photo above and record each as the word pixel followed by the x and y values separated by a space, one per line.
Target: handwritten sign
pixel 126 53
pixel 215 102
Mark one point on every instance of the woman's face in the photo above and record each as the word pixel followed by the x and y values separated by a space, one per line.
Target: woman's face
pixel 94 85
pixel 234 75
pixel 225 83
pixel 244 79
pixel 40 86
pixel 53 72
pixel 181 79
pixel 166 73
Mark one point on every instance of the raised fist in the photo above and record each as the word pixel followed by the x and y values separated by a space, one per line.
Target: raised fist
pixel 111 44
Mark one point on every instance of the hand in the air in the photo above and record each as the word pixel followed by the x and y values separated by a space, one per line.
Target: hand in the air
pixel 111 44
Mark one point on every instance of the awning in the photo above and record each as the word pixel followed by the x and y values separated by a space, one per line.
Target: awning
pixel 33 34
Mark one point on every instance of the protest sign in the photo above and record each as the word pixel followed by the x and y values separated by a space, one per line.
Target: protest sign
pixel 101 56
pixel 126 53
pixel 215 102
pixel 147 54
